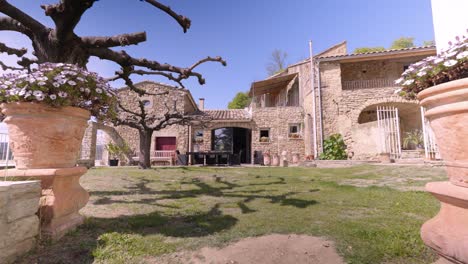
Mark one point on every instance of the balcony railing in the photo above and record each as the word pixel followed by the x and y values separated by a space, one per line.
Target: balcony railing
pixel 363 84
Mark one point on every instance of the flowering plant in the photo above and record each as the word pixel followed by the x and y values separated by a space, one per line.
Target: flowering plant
pixel 57 85
pixel 450 65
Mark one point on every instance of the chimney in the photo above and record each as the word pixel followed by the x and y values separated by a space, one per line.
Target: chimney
pixel 201 104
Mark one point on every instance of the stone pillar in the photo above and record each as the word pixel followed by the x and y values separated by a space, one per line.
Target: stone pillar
pixel 62 198
pixel 19 224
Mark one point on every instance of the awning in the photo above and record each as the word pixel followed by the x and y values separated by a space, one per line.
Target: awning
pixel 272 85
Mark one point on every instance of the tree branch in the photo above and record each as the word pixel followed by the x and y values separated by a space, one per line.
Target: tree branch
pixel 12 51
pixel 66 15
pixel 9 24
pixel 114 41
pixel 29 22
pixel 125 60
pixel 183 21
pixel 6 67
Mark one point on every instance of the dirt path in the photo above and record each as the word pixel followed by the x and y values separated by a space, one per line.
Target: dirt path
pixel 270 249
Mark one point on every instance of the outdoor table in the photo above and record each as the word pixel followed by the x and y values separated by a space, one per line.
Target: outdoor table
pixel 217 154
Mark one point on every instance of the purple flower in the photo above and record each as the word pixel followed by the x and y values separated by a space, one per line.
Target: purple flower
pixel 62 94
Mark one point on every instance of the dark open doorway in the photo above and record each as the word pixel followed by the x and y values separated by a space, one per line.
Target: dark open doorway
pixel 234 139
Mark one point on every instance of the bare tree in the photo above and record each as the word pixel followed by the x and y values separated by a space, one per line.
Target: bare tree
pixel 147 120
pixel 61 44
pixel 277 62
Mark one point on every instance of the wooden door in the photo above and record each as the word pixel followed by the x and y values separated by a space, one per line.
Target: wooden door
pixel 166 143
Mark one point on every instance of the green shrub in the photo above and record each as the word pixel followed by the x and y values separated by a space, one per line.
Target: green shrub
pixel 334 148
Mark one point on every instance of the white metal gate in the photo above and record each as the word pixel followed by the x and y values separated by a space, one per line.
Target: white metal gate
pixel 389 131
pixel 430 146
pixel 6 157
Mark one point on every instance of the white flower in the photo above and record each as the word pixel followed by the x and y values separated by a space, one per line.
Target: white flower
pixel 80 79
pixel 438 60
pixel 3 86
pixel 98 90
pixel 82 89
pixel 451 54
pixel 38 93
pixel 87 90
pixel 22 92
pixel 56 84
pixel 397 91
pixel 8 83
pixel 462 55
pixel 41 83
pixel 450 63
pixel 27 95
pixel 59 64
pixel 421 73
pixel 40 98
pixel 53 96
pixel 62 94
pixel 72 83
pixel 399 81
pixel 408 82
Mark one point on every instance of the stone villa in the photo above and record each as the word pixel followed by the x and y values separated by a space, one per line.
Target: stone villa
pixel 353 95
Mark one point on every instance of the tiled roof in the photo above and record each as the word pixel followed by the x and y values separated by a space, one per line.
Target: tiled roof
pixel 229 114
pixel 389 51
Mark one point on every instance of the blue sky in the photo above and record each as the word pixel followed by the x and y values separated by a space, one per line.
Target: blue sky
pixel 244 32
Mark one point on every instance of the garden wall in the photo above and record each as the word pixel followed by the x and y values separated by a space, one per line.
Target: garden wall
pixel 19 224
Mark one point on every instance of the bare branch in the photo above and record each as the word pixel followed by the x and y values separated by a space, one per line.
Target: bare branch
pixel 114 41
pixel 126 61
pixel 12 51
pixel 6 67
pixel 183 21
pixel 169 76
pixel 26 63
pixel 66 15
pixel 9 24
pixel 26 20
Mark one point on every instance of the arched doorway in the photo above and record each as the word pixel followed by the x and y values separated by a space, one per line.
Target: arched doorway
pixel 234 139
pixel 382 128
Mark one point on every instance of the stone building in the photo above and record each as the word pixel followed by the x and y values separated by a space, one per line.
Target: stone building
pixel 353 95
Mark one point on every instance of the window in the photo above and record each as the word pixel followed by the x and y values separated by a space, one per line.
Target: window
pixel 265 135
pixel 198 136
pixel 295 131
pixel 147 102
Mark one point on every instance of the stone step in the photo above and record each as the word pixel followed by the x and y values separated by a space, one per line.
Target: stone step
pixel 411 154
pixel 410 161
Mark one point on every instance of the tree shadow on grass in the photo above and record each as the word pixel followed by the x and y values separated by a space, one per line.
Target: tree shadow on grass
pixel 78 246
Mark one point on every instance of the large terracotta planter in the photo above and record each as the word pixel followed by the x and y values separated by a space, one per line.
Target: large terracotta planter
pixel 275 161
pixel 43 136
pixel 447 110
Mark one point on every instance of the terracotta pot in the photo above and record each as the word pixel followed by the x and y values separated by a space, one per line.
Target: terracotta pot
pixel 447 110
pixel 276 160
pixel 44 137
pixel 266 160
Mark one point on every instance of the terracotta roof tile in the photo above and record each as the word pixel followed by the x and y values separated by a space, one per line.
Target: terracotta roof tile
pixel 228 114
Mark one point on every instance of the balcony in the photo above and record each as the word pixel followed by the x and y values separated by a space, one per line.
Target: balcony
pixel 365 84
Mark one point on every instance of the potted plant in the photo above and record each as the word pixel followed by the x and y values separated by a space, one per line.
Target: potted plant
pixel 294 135
pixel 264 139
pixel 440 83
pixel 414 139
pixel 47 111
pixel 198 139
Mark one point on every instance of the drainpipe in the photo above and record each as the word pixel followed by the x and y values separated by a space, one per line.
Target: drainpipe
pixel 314 114
pixel 190 144
pixel 320 106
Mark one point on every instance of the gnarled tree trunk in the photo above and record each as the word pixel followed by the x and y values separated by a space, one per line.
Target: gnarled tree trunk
pixel 144 156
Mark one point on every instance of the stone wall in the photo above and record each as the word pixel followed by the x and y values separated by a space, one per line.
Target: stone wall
pixel 277 120
pixel 19 224
pixel 158 106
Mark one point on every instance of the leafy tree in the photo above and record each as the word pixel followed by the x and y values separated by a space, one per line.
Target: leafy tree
pixel 61 44
pixel 429 43
pixel 403 43
pixel 334 148
pixel 368 49
pixel 277 62
pixel 240 101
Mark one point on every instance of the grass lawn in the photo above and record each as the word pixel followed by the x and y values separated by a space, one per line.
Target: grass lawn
pixel 373 213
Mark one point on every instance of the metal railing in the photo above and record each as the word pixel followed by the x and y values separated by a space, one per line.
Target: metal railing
pixel 373 83
pixel 6 157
